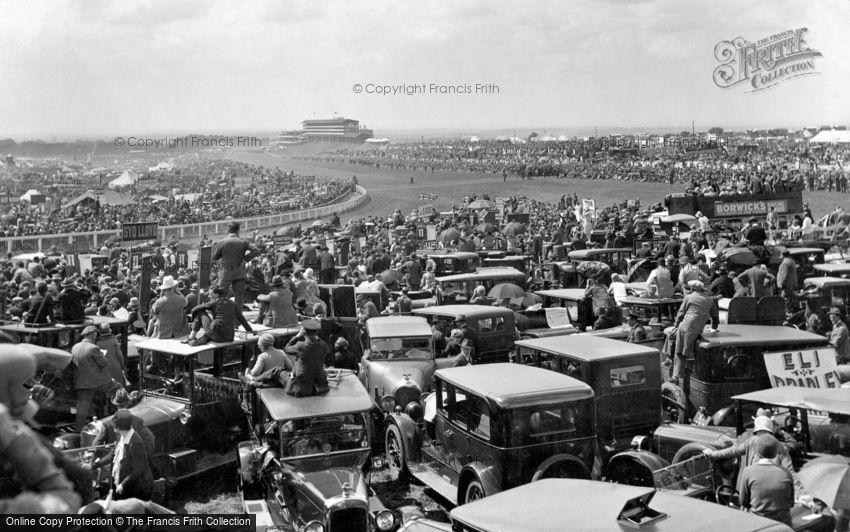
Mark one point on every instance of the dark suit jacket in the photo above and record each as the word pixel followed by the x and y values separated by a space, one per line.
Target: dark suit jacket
pixel 233 252
pixel 135 471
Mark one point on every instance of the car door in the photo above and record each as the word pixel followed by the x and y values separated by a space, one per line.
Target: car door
pixel 445 430
pixel 471 425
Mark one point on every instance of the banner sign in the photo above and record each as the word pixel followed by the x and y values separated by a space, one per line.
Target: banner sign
pixel 139 231
pixel 281 240
pixel 806 368
pixel 430 232
pixel 205 267
pixel 145 283
pixel 588 205
pixel 427 197
pixel 749 208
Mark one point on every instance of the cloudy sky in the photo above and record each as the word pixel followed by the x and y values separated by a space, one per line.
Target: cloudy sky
pixel 100 67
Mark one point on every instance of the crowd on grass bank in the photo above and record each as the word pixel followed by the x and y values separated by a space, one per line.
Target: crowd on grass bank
pixel 775 165
pixel 208 191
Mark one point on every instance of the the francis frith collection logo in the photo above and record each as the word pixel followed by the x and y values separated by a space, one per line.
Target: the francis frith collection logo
pixel 764 63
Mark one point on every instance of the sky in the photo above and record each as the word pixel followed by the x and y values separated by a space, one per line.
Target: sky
pixel 104 68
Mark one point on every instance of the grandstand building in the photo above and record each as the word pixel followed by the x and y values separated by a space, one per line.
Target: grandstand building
pixel 335 130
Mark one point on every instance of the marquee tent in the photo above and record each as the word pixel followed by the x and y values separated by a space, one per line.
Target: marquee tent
pixel 108 197
pixel 126 179
pixel 831 137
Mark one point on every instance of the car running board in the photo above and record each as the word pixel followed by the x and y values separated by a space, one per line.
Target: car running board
pixel 435 481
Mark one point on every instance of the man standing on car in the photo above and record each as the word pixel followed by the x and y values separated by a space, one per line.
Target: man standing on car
pixel 786 279
pixel 308 375
pixel 232 253
pixel 91 377
pixel 839 337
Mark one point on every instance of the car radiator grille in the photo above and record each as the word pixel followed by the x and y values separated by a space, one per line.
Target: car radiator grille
pixel 405 395
pixel 348 520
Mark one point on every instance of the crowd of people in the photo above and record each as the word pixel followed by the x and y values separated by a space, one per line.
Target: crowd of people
pixel 208 191
pixel 779 166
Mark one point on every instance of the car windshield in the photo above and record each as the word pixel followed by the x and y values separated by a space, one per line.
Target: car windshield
pixel 549 423
pixel 303 437
pixel 402 348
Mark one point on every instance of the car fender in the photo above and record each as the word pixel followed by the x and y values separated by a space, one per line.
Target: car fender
pixel 485 474
pixel 572 461
pixel 410 437
pixel 634 468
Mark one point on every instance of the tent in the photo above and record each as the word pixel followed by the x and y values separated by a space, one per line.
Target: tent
pixel 831 137
pixel 33 197
pixel 126 179
pixel 162 167
pixel 108 197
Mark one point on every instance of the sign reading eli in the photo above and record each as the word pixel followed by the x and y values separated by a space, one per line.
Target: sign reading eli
pixel 139 231
pixel 806 368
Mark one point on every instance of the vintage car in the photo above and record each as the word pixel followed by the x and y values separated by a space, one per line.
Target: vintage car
pixel 494 328
pixel 828 292
pixel 835 270
pixel 579 308
pixel 452 263
pixel 740 258
pixel 458 288
pixel 398 360
pixel 574 504
pixel 190 399
pixel 730 362
pixel 801 416
pixel 492 427
pixel 625 377
pixel 583 263
pixel 306 467
pixel 497 259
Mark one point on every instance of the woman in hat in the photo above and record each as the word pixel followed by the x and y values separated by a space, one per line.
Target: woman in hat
pixel 278 304
pixel 269 357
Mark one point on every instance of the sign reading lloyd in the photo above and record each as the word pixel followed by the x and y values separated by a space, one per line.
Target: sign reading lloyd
pixel 807 368
pixel 139 231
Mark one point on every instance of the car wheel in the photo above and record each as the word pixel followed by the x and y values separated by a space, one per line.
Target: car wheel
pixel 474 491
pixel 396 460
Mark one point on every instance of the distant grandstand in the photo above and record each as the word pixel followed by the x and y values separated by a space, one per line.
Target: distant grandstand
pixel 335 130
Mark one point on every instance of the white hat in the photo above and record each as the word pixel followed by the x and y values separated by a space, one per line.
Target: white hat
pixel 696 285
pixel 167 283
pixel 762 423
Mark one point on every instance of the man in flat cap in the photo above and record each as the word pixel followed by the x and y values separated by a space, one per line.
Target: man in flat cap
pixel 92 376
pixel 696 310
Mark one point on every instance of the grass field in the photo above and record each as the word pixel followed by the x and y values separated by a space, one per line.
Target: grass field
pixel 391 190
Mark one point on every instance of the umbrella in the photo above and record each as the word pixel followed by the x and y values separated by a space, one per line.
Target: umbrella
pixel 480 204
pixel 514 229
pixel 448 235
pixel 528 300
pixel 486 227
pixel 390 276
pixel 503 290
pixel 677 218
pixel 318 223
pixel 828 479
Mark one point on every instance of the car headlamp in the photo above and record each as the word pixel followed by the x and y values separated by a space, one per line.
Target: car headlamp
pixel 387 403
pixel 385 520
pixel 314 526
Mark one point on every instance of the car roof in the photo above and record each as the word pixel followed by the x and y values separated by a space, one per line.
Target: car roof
pixel 516 385
pixel 573 294
pixel 821 282
pixel 497 272
pixel 580 254
pixel 393 326
pixel 346 397
pixel 455 255
pixel 588 348
pixel 804 251
pixel 744 335
pixel 835 400
pixel 650 301
pixel 833 268
pixel 593 505
pixel 463 311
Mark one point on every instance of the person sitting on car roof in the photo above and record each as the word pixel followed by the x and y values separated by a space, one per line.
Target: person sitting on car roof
pixel 308 375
